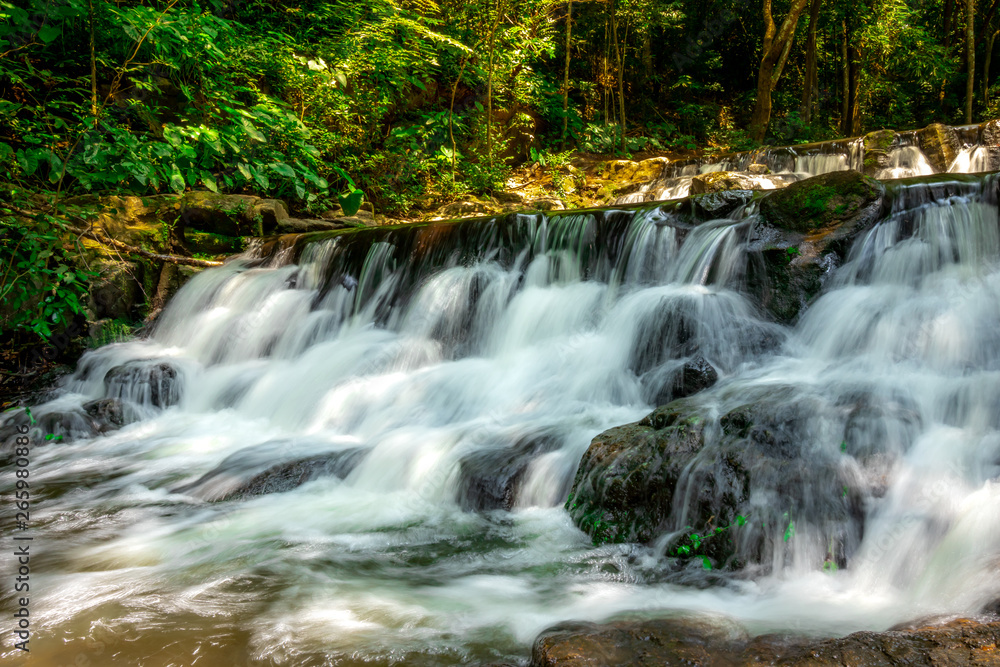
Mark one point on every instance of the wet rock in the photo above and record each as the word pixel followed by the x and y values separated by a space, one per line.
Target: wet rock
pixel 766 461
pixel 150 383
pixel 877 146
pixel 490 477
pixel 804 231
pixel 624 487
pixel 840 200
pixel 715 205
pixel 49 427
pixel 619 169
pixel 708 643
pixel 107 413
pixel 940 144
pixel 253 472
pixel 718 181
pixel 117 290
pixel 758 169
pixel 651 643
pixel 989 132
pixel 696 375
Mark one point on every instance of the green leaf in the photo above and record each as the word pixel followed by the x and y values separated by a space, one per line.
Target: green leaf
pixel 283 169
pixel 244 169
pixel 261 178
pixel 351 202
pixel 209 181
pixel 790 531
pixel 176 179
pixel 706 563
pixel 48 33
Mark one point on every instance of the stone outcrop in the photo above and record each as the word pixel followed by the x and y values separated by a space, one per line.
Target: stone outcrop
pixel 877 147
pixel 714 642
pixel 804 231
pixel 717 181
pixel 940 144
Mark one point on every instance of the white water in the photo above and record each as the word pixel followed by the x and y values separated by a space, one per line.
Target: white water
pixel 971 160
pixel 905 162
pixel 485 355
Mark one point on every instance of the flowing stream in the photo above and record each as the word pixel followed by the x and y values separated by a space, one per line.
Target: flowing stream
pixel 356 451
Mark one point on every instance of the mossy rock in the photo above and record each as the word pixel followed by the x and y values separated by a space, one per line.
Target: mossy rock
pixel 940 144
pixel 623 490
pixel 717 181
pixel 822 202
pixel 877 147
pixel 729 490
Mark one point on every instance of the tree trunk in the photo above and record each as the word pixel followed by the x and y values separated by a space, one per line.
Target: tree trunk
pixel 990 40
pixel 451 115
pixel 845 99
pixel 569 28
pixel 621 73
pixel 810 87
pixel 777 45
pixel 970 47
pixel 855 90
pixel 489 83
pixel 949 10
pixel 93 63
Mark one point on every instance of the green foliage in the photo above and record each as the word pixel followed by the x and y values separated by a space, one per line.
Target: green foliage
pixel 41 289
pixel 692 544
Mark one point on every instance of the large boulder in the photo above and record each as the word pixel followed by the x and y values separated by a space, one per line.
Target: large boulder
pixel 232 215
pixel 650 643
pixel 940 144
pixel 877 146
pixel 803 232
pixel 729 491
pixel 713 642
pixel 717 181
pixel 152 383
pixel 837 201
pixel 259 470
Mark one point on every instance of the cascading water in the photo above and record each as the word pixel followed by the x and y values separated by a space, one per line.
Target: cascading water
pixel 361 456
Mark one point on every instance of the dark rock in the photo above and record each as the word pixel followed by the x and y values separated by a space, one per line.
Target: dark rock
pixel 940 144
pixel 711 643
pixel 715 205
pixel 761 461
pixel 152 383
pixel 48 427
pixel 803 232
pixel 117 291
pixel 718 181
pixel 490 477
pixel 254 472
pixel 107 413
pixel 696 375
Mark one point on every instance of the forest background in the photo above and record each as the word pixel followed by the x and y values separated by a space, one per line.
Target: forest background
pixel 408 103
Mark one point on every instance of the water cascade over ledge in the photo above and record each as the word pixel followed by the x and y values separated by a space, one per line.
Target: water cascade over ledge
pixel 356 448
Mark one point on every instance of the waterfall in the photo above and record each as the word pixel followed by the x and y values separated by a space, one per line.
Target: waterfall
pixel 358 447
